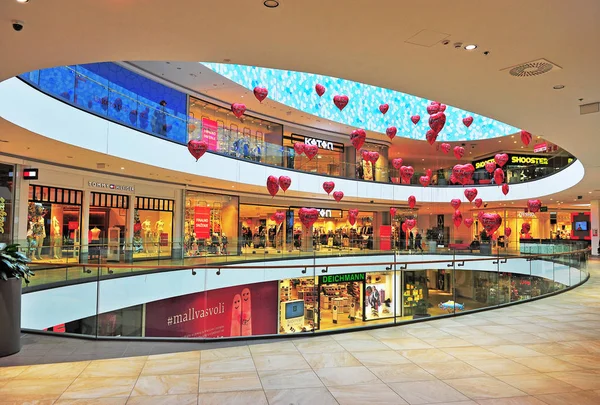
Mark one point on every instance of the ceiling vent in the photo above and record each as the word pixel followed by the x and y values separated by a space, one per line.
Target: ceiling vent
pixel 533 68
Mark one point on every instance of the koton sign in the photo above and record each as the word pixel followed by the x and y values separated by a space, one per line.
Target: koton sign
pixel 321 144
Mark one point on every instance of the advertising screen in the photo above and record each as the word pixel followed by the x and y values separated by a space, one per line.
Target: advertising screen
pixel 581 226
pixel 243 310
pixel 294 309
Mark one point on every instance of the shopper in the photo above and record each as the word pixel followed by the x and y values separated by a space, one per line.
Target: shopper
pixel 418 239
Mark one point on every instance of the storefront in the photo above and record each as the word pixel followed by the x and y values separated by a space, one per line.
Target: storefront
pixel 153 227
pixel 522 167
pixel 330 159
pixel 106 226
pixel 264 229
pixel 365 170
pixel 6 202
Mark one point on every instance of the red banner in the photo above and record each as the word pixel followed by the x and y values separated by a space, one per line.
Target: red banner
pixel 164 239
pixel 202 222
pixel 243 310
pixel 385 233
pixel 209 133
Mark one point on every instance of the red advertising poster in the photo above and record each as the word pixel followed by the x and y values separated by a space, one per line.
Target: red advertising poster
pixel 385 233
pixel 209 133
pixel 243 310
pixel 202 222
pixel 164 239
pixel 73 225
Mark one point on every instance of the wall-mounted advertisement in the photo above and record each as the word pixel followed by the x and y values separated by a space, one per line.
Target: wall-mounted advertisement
pixel 243 310
pixel 379 291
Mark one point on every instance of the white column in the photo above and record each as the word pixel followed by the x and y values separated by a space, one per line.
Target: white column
pixel 595 219
pixel 20 206
pixel 85 225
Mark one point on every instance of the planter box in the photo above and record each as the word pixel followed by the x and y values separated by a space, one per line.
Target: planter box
pixel 10 316
pixel 432 246
pixel 485 249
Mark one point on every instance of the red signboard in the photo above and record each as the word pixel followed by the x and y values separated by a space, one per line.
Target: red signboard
pixel 164 239
pixel 385 233
pixel 73 225
pixel 202 222
pixel 540 147
pixel 209 133
pixel 243 310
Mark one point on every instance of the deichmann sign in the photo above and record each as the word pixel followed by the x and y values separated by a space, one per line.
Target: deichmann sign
pixel 342 278
pixel 111 186
pixel 517 160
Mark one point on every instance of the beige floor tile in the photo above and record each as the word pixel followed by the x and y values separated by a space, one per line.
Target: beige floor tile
pixel 323 360
pixel 171 366
pixel 582 379
pixel 546 364
pixel 301 396
pixel 64 370
pixel 35 389
pixel 363 345
pixel 223 382
pixel 406 344
pixel 583 360
pixel 447 342
pixel 486 340
pixel 92 401
pixel 114 368
pixel 195 355
pixel 226 353
pixel 346 376
pixel 366 394
pixel 180 399
pixel 7 373
pixel 555 349
pixel 484 388
pixel 293 361
pixel 100 387
pixel 572 398
pixel 363 335
pixel 426 392
pixel 380 358
pixel 497 330
pixel 471 353
pixel 420 356
pixel 166 385
pixel 274 348
pixel 512 351
pixel 313 345
pixel 233 398
pixel 225 365
pixel 452 369
pixel 512 401
pixel 401 373
pixel 524 338
pixel 498 367
pixel 537 384
pixel 278 380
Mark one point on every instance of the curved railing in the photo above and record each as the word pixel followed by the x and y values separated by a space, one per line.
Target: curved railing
pixel 308 294
pixel 93 93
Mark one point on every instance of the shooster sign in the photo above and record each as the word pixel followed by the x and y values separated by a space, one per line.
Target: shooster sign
pixel 516 160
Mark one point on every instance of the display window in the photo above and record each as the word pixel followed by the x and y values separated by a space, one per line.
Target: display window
pixel 329 160
pixel 298 299
pixel 211 224
pixel 53 224
pixel 263 229
pixel 341 298
pixel 6 202
pixel 365 170
pixel 106 226
pixel 561 225
pixel 379 296
pixel 152 227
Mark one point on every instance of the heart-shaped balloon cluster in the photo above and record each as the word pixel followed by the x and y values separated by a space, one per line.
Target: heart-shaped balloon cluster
pixel 433 108
pixel 437 122
pixel 415 119
pixel 412 201
pixel 505 189
pixel 397 163
pixel 459 152
pixel 272 185
pixel 525 137
pixel 299 148
pixel 406 173
pixel 328 186
pixel 260 93
pixel 490 167
pixel 410 223
pixel 525 227
pixel 467 121
pixel 490 222
pixel 457 218
pixel 338 195
pixel 285 182
pixel 384 108
pixel 311 151
pixel 501 159
pixel 238 109
pixel 370 156
pixel 499 176
pixel 431 136
pixel 478 202
pixel 507 231
pixel 534 205
pixel 445 147
pixel 320 89
pixel 197 148
pixel 424 180
pixel 278 217
pixel 463 174
pixel 352 215
pixel 468 222
pixel 471 193
pixel 455 203
pixel 392 213
pixel 340 101
pixel 308 216
pixel 391 132
pixel 357 138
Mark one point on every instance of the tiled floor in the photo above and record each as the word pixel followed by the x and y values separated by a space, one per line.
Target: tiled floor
pixel 543 352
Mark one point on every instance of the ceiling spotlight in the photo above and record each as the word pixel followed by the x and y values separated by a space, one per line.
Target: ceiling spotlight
pixel 470 47
pixel 559 87
pixel 271 3
pixel 22 1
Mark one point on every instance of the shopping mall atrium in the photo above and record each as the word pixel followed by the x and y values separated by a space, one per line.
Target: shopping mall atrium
pixel 299 202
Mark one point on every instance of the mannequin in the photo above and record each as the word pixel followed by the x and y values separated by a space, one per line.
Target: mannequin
pixel 38 234
pixel 147 233
pixel 56 238
pixel 158 229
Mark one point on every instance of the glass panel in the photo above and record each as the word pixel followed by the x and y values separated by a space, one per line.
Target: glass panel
pixel 6 203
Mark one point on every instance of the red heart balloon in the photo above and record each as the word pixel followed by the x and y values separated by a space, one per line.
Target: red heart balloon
pixel 507 231
pixel 406 173
pixel 410 223
pixel 525 137
pixel 278 217
pixel 468 222
pixel 534 205
pixel 299 148
pixel 490 167
pixel 505 189
pixel 393 212
pixel 351 219
pixel 338 195
pixel 415 119
pixel 445 147
pixel 433 109
pixel 463 174
pixel 404 228
pixel 308 216
pixel 260 93
pixel 328 186
pixel 357 138
pixel 320 89
pixel 498 176
pixel 397 163
pixel 238 109
pixel 501 159
pixel 480 215
pixel 311 151
pixel 490 222
pixel 478 202
pixel 471 193
pixel 455 203
pixel 384 108
pixel 437 122
pixel 424 180
pixel 353 213
pixel 272 185
pixel 459 151
pixel 453 179
pixel 525 227
pixel 373 157
pixel 340 101
pixel 412 201
pixel 431 136
pixel 442 107
pixel 197 148
pixel 391 132
pixel 457 218
pixel 468 121
pixel 428 172
pixel 285 182
pixel 365 155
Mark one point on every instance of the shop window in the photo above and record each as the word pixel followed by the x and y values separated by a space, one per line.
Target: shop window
pixel 153 227
pixel 298 301
pixel 264 228
pixel 6 203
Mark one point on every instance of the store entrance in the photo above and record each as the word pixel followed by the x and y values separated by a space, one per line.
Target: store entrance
pixel 107 223
pixel 340 300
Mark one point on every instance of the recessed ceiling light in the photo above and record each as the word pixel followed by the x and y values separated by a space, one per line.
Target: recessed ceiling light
pixel 559 87
pixel 515 141
pixel 271 3
pixel 22 1
pixel 590 192
pixel 470 47
pixel 122 168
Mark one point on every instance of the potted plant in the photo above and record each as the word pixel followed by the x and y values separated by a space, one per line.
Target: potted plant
pixel 432 237
pixel 485 248
pixel 13 268
pixel 421 310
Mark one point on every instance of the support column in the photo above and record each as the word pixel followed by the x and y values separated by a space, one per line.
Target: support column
pixel 20 206
pixel 129 230
pixel 595 224
pixel 85 225
pixel 178 220
pixel 307 239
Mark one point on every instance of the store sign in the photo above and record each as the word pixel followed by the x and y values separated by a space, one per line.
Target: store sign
pixel 517 160
pixel 540 147
pixel 526 215
pixel 342 278
pixel 210 133
pixel 2 214
pixel 327 213
pixel 111 186
pixel 30 174
pixel 327 145
pixel 202 222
